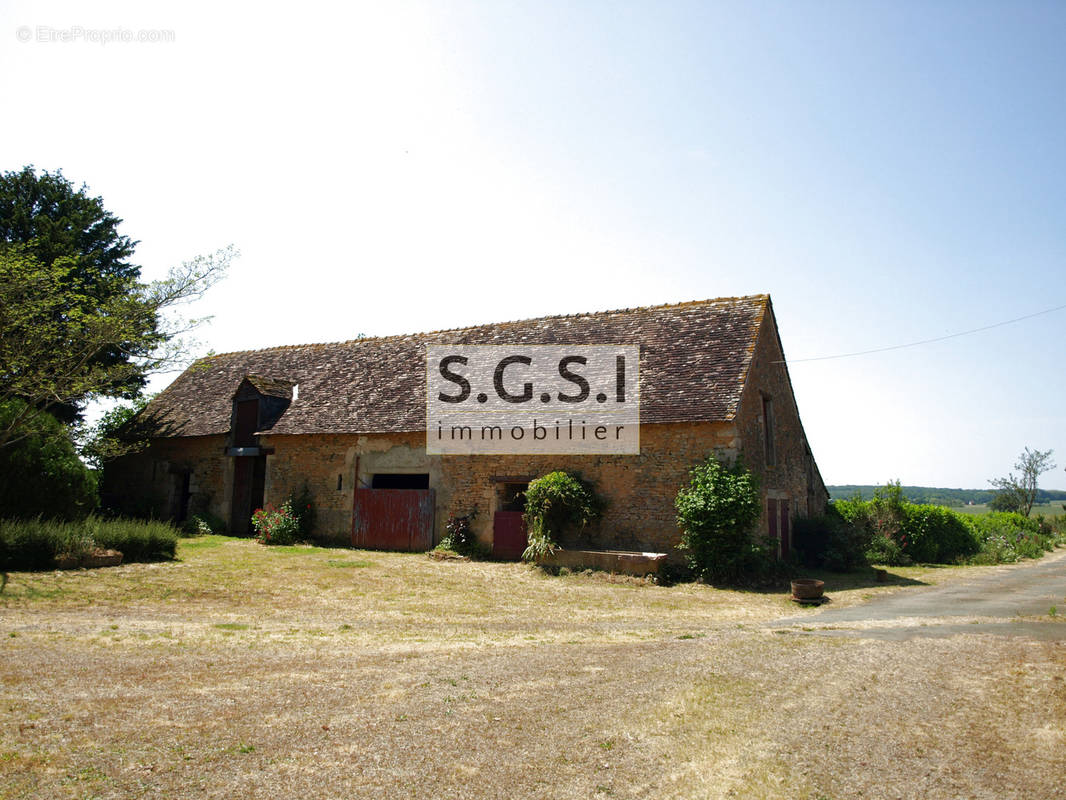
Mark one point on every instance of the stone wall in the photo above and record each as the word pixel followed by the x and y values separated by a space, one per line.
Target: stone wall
pixel 639 490
pixel 149 483
pixel 793 475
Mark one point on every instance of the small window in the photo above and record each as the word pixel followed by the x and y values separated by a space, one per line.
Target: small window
pixel 768 429
pixel 340 482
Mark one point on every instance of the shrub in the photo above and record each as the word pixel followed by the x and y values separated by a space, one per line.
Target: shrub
pixel 716 512
pixel 920 532
pixel 936 534
pixel 830 541
pixel 887 552
pixel 41 475
pixel 137 540
pixel 1005 537
pixel 460 537
pixel 203 524
pixel 276 525
pixel 302 505
pixel 555 503
pixel 33 544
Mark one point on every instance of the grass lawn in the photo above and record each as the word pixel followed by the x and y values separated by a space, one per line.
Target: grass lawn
pixel 244 671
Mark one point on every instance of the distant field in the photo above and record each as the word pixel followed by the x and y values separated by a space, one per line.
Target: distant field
pixel 1054 509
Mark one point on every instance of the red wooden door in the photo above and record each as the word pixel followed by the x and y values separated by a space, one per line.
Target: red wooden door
pixel 508 535
pixel 249 480
pixel 786 527
pixel 393 519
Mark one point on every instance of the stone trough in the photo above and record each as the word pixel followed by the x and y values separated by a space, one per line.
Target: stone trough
pixel 626 562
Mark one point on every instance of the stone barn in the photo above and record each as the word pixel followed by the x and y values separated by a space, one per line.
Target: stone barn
pixel 347 420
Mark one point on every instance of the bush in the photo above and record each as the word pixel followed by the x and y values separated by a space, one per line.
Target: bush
pixel 33 544
pixel 936 534
pixel 716 512
pixel 302 505
pixel 460 537
pixel 555 503
pixel 927 533
pixel 203 524
pixel 276 525
pixel 137 540
pixel 1005 537
pixel 887 552
pixel 830 541
pixel 41 475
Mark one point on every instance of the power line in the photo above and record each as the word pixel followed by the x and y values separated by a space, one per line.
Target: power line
pixel 929 341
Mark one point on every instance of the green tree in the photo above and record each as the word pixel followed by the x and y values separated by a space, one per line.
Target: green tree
pixel 118 432
pixel 1006 501
pixel 1019 492
pixel 52 339
pixel 42 475
pixel 717 512
pixel 76 321
pixel 57 223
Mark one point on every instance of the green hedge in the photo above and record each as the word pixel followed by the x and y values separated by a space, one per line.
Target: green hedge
pixel 936 534
pixel 34 544
pixel 830 541
pixel 137 540
pixel 899 532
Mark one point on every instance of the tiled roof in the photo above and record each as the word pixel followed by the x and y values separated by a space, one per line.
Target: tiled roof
pixel 694 360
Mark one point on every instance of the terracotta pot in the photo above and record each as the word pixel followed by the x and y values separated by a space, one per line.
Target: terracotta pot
pixel 807 588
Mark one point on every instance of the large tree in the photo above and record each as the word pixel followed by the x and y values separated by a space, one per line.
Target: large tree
pixel 51 341
pixel 76 321
pixel 1018 493
pixel 83 262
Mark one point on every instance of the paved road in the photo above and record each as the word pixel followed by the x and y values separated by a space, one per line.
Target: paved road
pixel 1013 599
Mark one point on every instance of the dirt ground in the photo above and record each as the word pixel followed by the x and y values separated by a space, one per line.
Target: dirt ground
pixel 246 672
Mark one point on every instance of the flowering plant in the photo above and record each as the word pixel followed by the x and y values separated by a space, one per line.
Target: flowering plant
pixel 276 525
pixel 460 537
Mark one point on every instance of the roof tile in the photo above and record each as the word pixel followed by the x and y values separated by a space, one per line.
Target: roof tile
pixel 694 360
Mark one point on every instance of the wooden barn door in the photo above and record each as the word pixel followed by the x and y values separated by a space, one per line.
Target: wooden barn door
pixel 393 519
pixel 779 523
pixel 249 483
pixel 508 535
pixel 785 527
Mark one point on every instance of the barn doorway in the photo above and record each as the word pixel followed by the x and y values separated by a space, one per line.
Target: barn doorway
pixel 249 482
pixel 393 517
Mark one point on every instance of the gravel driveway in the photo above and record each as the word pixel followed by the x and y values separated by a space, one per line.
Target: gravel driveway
pixel 1015 599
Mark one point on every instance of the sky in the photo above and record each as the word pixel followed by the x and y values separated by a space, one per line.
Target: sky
pixel 888 172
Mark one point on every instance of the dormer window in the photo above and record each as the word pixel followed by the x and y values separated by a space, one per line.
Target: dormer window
pixel 258 404
pixel 245 422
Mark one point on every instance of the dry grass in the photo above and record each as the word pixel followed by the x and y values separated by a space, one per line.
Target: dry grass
pixel 243 671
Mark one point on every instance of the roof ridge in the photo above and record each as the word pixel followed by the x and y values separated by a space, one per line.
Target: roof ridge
pixel 763 297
